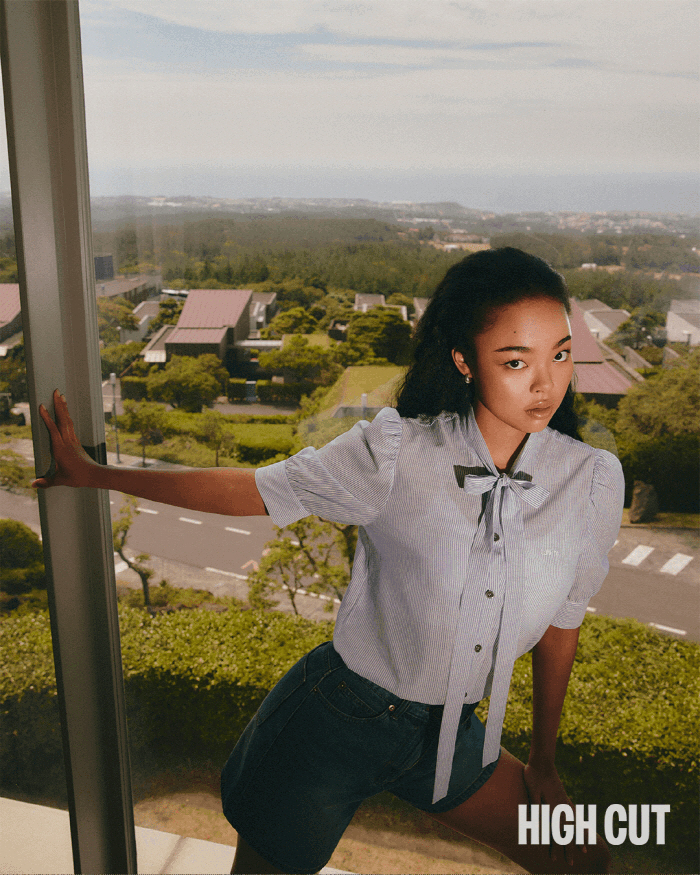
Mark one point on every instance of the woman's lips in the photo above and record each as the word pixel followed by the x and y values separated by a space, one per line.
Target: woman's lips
pixel 540 412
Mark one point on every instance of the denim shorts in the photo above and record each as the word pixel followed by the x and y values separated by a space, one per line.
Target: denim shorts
pixel 324 740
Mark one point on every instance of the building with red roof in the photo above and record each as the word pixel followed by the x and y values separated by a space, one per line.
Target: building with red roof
pixel 600 374
pixel 212 321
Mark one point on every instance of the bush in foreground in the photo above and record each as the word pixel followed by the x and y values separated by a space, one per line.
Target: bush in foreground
pixel 194 678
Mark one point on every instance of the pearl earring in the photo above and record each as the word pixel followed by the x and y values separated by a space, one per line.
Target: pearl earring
pixel 467 379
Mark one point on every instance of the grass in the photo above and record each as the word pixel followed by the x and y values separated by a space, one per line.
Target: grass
pixel 355 380
pixel 666 520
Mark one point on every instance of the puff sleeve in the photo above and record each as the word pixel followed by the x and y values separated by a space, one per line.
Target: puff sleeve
pixel 602 526
pixel 347 481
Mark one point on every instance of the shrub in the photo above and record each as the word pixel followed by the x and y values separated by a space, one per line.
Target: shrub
pixel 21 558
pixel 134 388
pixel 671 463
pixel 282 393
pixel 256 444
pixel 194 678
pixel 236 390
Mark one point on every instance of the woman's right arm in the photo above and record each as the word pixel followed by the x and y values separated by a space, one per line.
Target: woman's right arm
pixel 229 491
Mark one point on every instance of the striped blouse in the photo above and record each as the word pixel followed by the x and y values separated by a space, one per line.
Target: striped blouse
pixel 459 569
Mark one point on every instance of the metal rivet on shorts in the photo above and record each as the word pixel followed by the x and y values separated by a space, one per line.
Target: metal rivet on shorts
pixel 342 685
pixel 392 707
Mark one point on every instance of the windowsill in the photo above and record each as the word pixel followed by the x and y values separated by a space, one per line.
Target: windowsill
pixel 36 839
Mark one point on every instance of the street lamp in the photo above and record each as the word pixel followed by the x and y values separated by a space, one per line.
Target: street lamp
pixel 113 381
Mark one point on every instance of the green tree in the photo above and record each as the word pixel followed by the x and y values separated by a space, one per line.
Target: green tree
pixel 189 382
pixel 315 556
pixel 147 420
pixel 383 332
pixel 113 313
pixel 664 404
pixel 120 533
pixel 295 321
pixel 116 359
pixel 303 361
pixel 214 431
pixel 640 329
pixel 168 313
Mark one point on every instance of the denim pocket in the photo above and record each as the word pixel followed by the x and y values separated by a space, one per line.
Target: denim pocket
pixel 353 698
pixel 283 689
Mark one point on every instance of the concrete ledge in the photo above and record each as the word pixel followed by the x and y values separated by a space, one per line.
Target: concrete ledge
pixel 36 839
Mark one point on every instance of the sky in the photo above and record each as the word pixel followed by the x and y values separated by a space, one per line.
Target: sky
pixel 500 105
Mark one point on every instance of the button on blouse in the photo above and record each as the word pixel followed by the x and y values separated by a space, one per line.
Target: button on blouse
pixel 459 569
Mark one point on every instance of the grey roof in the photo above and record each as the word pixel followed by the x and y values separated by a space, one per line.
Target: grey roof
pixel 612 319
pixel 122 285
pixel 362 300
pixel 154 351
pixel 592 304
pixel 685 308
pixel 265 298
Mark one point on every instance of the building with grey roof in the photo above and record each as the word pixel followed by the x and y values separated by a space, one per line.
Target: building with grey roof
pixel 683 322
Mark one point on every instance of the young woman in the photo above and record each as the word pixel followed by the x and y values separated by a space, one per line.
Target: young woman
pixel 484 528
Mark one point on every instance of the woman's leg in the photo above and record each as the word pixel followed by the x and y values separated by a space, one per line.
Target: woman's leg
pixel 248 860
pixel 491 816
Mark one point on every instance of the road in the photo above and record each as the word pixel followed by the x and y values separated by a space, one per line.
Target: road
pixel 662 588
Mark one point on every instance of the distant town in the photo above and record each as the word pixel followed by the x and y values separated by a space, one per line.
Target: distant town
pixel 444 216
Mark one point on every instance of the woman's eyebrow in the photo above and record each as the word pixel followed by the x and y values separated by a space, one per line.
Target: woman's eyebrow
pixel 529 349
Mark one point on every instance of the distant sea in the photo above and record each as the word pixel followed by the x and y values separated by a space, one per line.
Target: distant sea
pixel 493 192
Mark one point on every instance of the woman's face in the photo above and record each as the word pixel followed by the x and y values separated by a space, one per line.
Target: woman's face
pixel 523 366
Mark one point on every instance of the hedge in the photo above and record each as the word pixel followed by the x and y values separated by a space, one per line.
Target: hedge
pixel 282 393
pixel 134 388
pixel 194 678
pixel 236 390
pixel 261 443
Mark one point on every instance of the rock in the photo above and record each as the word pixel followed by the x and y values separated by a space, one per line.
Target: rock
pixel 645 503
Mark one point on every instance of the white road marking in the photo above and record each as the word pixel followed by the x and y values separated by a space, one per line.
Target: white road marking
pixel 638 555
pixel 184 519
pixel 676 563
pixel 227 573
pixel 147 510
pixel 668 629
pixel 616 543
pixel 237 531
pixel 592 610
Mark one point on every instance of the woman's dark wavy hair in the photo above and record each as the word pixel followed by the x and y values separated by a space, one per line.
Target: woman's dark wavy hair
pixel 465 304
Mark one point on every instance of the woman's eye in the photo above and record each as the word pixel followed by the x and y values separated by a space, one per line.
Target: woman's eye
pixel 563 355
pixel 516 364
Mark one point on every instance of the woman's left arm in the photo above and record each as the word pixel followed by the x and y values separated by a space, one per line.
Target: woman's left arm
pixel 552 659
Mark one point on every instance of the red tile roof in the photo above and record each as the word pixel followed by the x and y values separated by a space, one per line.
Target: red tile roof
pixel 213 308
pixel 583 344
pixel 9 302
pixel 601 378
